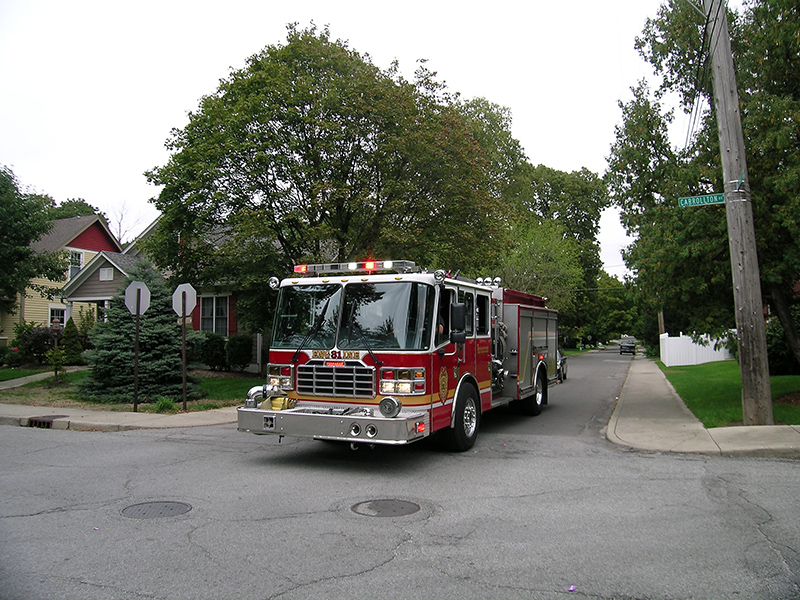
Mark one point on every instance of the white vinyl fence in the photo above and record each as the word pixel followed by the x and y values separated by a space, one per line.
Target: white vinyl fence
pixel 680 351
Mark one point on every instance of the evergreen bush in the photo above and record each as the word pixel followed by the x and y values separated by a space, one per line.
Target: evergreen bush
pixel 112 359
pixel 71 345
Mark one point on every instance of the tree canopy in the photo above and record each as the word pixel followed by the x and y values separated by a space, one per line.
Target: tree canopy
pixel 681 256
pixel 333 157
pixel 312 153
pixel 25 218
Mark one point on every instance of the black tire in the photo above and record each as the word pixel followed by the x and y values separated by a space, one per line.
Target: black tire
pixel 462 435
pixel 532 405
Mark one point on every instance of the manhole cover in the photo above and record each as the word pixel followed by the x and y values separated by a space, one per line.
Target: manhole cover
pixel 385 508
pixel 154 510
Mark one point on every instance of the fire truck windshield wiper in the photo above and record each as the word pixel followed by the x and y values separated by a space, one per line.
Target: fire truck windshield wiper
pixel 313 331
pixel 351 322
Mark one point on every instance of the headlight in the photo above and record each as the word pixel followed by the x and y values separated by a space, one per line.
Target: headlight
pixel 402 381
pixel 280 377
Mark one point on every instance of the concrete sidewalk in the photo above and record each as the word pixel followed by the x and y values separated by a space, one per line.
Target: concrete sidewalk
pixel 649 415
pixel 101 420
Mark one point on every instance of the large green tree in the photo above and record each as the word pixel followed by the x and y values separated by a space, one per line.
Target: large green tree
pixel 311 152
pixel 681 255
pixel 575 201
pixel 25 218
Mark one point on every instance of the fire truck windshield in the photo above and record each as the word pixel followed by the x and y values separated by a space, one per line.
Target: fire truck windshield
pixel 387 316
pixel 395 315
pixel 307 316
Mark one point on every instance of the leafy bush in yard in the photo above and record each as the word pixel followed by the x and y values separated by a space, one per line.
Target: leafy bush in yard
pixel 33 342
pixel 239 351
pixel 781 358
pixel 212 352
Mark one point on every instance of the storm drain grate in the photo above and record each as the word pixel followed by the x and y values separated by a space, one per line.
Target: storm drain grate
pixel 385 508
pixel 155 510
pixel 44 422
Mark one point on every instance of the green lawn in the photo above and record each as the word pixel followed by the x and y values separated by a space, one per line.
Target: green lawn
pixel 713 392
pixel 225 390
pixel 8 374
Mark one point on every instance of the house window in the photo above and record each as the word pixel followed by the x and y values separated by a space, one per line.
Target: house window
pixel 106 274
pixel 57 312
pixel 214 314
pixel 75 263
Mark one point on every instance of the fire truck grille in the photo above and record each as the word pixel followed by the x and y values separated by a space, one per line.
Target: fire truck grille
pixel 353 381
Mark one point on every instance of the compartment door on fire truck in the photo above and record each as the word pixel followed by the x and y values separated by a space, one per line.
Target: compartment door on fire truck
pixel 526 351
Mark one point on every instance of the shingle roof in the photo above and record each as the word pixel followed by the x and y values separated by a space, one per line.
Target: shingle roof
pixel 64 231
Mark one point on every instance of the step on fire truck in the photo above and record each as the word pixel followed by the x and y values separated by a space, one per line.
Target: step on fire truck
pixel 382 352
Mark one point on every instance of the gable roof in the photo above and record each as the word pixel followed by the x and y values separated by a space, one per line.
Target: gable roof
pixel 66 231
pixel 121 262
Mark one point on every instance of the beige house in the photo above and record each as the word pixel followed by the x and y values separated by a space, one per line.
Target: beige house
pixel 82 238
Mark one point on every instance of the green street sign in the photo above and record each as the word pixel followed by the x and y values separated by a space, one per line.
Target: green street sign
pixel 701 200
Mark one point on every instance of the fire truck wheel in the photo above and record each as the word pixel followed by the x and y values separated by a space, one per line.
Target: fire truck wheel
pixel 532 405
pixel 462 435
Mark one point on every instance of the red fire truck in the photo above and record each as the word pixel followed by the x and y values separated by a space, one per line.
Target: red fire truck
pixel 382 352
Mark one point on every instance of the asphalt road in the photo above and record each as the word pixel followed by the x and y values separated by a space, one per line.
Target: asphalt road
pixel 541 508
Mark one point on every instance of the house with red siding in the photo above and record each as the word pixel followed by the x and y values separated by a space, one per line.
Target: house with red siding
pixel 81 238
pixel 103 277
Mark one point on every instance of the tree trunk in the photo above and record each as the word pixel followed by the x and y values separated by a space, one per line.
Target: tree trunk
pixel 784 313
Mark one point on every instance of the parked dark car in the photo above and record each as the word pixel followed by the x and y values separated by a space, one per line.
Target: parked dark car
pixel 627 346
pixel 561 366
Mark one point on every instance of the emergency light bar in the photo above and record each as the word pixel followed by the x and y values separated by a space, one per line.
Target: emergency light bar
pixel 369 266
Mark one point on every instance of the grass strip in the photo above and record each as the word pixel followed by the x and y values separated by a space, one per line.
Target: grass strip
pixel 713 392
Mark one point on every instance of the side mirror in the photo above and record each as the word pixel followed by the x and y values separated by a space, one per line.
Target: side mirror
pixel 458 323
pixel 458 319
pixel 458 337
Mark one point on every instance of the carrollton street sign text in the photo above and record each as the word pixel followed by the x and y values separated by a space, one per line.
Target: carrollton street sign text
pixel 701 200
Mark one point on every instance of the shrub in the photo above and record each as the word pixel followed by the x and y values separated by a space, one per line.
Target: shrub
pixel 33 342
pixel 781 358
pixel 55 358
pixel 14 357
pixel 239 351
pixel 164 405
pixel 86 322
pixel 212 352
pixel 71 345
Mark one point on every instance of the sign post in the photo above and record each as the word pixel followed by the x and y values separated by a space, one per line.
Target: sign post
pixel 137 299
pixel 184 299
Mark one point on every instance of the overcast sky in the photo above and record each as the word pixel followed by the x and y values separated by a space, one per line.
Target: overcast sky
pixel 92 88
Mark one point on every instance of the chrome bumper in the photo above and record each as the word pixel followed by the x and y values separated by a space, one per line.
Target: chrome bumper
pixel 340 424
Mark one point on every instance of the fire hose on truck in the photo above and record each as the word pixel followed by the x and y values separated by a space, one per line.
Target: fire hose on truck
pixel 383 352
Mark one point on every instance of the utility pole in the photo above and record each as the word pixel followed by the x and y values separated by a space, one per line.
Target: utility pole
pixel 756 393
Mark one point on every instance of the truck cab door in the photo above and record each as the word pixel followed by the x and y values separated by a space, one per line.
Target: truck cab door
pixel 445 360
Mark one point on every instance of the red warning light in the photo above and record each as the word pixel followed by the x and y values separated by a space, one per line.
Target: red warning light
pixel 369 265
pixel 300 268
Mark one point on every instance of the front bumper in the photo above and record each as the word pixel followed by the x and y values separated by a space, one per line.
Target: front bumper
pixel 344 424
